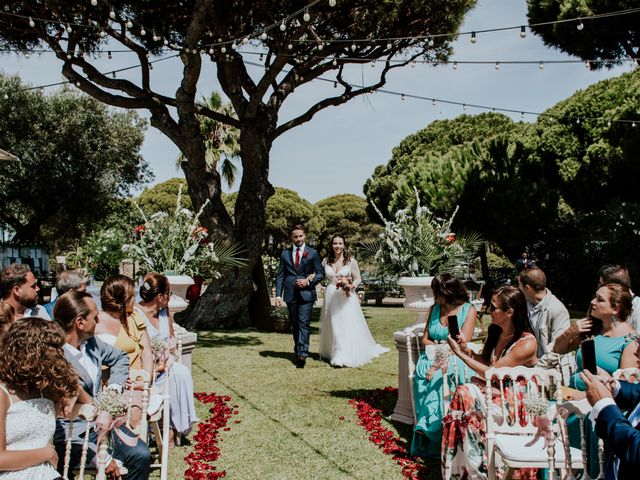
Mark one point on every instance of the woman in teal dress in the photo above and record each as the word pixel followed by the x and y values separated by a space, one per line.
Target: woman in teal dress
pixel 614 349
pixel 451 298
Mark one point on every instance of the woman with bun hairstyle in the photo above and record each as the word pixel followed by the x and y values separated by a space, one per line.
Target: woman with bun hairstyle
pixel 155 293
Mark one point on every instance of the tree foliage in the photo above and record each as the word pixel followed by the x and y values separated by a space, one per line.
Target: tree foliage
pixel 162 197
pixel 609 38
pixel 296 55
pixel 77 159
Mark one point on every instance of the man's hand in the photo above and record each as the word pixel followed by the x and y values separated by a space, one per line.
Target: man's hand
pixel 112 470
pixel 597 389
pixel 302 282
pixel 278 301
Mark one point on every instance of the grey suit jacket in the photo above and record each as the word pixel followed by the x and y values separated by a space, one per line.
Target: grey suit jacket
pixel 552 320
pixel 104 354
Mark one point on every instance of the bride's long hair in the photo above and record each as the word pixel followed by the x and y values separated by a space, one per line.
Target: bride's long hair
pixel 331 255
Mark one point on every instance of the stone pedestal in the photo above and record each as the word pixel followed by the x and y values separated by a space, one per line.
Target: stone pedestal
pixel 408 353
pixel 418 294
pixel 189 340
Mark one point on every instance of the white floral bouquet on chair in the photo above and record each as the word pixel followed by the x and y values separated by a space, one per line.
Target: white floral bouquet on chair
pixel 111 413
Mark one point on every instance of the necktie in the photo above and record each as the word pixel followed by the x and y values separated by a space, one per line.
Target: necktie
pixel 297 264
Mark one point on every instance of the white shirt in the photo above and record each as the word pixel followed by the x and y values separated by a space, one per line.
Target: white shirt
pixel 80 354
pixel 293 251
pixel 37 311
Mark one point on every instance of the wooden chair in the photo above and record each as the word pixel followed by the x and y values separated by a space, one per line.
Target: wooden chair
pixel 508 440
pixel 158 418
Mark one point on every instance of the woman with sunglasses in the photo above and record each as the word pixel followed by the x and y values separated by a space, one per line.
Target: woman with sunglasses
pixel 155 294
pixel 510 343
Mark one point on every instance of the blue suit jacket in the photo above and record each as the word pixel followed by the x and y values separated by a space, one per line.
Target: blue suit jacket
pixel 614 428
pixel 287 274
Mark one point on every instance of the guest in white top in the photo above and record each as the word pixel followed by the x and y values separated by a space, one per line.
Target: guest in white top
pixel 155 293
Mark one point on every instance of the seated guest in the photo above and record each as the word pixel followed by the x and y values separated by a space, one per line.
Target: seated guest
pixel 19 288
pixel 613 339
pixel 34 377
pixel 451 298
pixel 125 329
pixel 77 314
pixel 620 274
pixel 610 307
pixel 155 293
pixel 67 280
pixel 7 317
pixel 620 432
pixel 548 318
pixel 463 442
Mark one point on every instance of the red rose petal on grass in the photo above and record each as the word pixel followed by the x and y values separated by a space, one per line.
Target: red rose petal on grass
pixel 370 418
pixel 341 418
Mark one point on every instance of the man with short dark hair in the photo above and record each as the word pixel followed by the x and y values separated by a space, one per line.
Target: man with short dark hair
pixel 548 316
pixel 299 272
pixel 619 274
pixel 19 288
pixel 66 281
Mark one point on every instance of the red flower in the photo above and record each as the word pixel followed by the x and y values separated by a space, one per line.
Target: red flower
pixel 370 418
pixel 139 229
pixel 305 254
pixel 205 450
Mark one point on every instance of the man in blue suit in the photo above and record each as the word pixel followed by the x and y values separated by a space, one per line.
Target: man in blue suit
pixel 620 432
pixel 299 272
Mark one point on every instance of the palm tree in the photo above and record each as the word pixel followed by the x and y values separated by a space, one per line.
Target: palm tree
pixel 221 140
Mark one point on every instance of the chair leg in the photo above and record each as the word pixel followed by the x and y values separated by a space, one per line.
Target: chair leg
pixel 508 474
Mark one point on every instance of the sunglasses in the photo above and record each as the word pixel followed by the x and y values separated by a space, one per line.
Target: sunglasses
pixel 492 308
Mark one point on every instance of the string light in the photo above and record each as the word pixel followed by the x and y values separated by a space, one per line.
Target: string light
pixel 283 26
pixel 263 35
pixel 112 14
pixel 523 31
pixel 580 25
pixel 332 3
pixel 541 66
pixel 94 2
pixel 497 66
pixel 455 65
pixel 109 55
pixel 31 22
pixel 473 37
pixel 143 32
pixel 129 24
pixel 306 17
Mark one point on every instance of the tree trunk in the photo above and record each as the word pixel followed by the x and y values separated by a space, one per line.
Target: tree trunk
pixel 260 302
pixel 224 302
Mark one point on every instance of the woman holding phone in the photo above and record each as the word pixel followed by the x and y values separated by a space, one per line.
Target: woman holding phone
pixel 451 312
pixel 463 440
pixel 602 339
pixel 607 324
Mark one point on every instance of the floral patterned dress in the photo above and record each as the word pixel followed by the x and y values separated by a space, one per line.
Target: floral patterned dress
pixel 464 429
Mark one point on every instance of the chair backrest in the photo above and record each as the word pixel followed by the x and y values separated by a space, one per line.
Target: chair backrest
pixel 136 375
pixel 631 374
pixel 87 413
pixel 514 385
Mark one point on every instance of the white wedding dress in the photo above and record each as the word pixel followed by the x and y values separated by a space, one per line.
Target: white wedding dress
pixel 345 338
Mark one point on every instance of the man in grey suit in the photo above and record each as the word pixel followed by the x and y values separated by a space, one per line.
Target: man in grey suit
pixel 77 314
pixel 548 316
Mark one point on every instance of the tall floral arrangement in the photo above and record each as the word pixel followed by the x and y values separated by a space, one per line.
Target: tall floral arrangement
pixel 418 243
pixel 176 243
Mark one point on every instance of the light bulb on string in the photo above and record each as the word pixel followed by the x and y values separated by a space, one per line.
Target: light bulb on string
pixel 541 66
pixel 389 46
pixel 523 31
pixel 290 47
pixel 31 22
pixel 373 64
pixel 102 34
pixel 332 3
pixel 211 51
pixel 94 2
pixel 129 24
pixel 455 65
pixel 353 47
pixel 413 64
pixel 320 46
pixel 577 121
pixel 473 37
pixel 335 61
pixel 113 74
pixel 402 97
pixel 263 35
pixel 155 37
pixel 143 32
pixel 608 123
pixel 245 40
pixel 433 102
pixel 464 107
pixel 521 115
pixel 431 42
pixel 112 14
pixel 223 49
pixel 69 29
pixel 151 66
pixel 633 124
pixel 27 55
pixel 283 26
pixel 580 25
pixel 69 56
pixel 306 17
pixel 109 55
pixel 497 67
pixel 261 58
pixel 335 84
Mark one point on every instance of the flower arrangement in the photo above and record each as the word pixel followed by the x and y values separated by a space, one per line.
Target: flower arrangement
pixel 417 243
pixel 536 406
pixel 159 349
pixel 177 243
pixel 111 402
pixel 344 283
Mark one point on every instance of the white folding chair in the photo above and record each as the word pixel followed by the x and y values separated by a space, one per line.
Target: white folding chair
pixel 509 440
pixel 158 414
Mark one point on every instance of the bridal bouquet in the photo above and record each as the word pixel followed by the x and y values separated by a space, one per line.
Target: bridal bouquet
pixel 344 283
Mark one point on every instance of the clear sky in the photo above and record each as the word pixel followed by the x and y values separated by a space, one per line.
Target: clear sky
pixel 338 150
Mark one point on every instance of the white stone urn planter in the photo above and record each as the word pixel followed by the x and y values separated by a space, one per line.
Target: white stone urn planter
pixel 419 298
pixel 179 285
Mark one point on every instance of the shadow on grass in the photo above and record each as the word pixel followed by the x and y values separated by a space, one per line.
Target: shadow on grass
pixel 285 355
pixel 238 338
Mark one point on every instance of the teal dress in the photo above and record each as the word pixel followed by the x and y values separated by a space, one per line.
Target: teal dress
pixel 608 355
pixel 427 395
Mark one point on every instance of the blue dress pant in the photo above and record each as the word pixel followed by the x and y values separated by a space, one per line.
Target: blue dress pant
pixel 300 316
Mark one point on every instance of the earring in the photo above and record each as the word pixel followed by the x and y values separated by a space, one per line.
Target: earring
pixel 613 319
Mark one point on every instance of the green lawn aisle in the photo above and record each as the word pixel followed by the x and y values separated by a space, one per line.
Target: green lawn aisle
pixel 290 425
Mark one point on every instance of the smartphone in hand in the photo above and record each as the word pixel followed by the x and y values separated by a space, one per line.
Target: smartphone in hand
pixel 589 356
pixel 452 323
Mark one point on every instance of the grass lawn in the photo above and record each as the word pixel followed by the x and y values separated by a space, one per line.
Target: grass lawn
pixel 290 425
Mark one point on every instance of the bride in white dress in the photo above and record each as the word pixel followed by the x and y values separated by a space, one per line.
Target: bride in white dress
pixel 344 335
